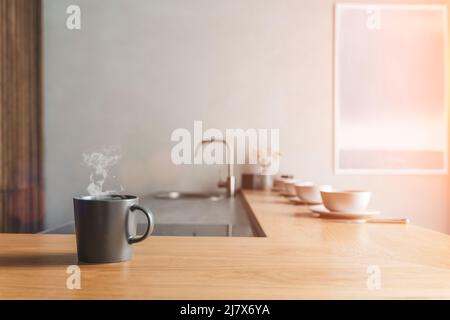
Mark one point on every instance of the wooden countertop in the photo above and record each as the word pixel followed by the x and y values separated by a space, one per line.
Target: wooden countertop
pixel 301 258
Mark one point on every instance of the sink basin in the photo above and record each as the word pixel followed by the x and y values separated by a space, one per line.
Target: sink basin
pixel 192 215
pixel 175 195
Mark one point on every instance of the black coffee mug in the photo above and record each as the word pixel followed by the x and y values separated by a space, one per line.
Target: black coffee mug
pixel 105 227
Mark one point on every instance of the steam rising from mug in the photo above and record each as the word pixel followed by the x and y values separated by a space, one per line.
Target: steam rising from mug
pixel 101 163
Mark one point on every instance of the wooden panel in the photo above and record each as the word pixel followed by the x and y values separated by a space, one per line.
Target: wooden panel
pixel 21 204
pixel 303 257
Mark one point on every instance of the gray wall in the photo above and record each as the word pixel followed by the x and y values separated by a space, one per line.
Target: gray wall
pixel 139 69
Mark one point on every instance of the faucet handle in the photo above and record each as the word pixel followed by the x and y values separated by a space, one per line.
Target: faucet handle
pixel 229 184
pixel 222 184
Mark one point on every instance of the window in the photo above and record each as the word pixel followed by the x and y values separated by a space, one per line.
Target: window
pixel 391 89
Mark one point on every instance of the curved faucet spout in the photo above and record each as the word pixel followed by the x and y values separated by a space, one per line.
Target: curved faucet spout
pixel 230 183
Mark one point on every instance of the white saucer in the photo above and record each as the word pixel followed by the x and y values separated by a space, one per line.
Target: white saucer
pixel 349 215
pixel 288 195
pixel 297 201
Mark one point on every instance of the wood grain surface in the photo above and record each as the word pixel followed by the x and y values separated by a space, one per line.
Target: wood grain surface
pixel 21 204
pixel 302 257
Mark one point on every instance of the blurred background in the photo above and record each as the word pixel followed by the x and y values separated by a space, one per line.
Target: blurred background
pixel 139 69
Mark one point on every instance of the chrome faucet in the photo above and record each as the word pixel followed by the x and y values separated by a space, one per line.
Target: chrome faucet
pixel 230 183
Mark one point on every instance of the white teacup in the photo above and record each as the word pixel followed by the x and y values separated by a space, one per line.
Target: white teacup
pixel 346 200
pixel 310 193
pixel 278 184
pixel 289 187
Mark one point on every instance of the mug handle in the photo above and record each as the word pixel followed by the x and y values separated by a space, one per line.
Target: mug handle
pixel 150 224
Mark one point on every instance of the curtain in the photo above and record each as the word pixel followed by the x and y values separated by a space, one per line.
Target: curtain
pixel 21 146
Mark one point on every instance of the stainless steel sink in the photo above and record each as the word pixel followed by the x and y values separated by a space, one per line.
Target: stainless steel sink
pixel 176 195
pixel 193 214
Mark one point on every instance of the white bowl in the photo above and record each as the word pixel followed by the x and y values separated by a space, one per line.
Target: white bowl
pixel 289 187
pixel 278 184
pixel 346 200
pixel 310 192
pixel 281 185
